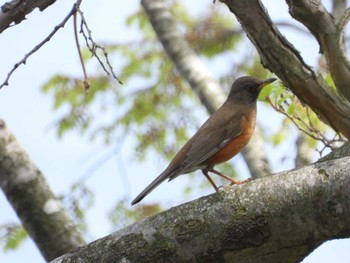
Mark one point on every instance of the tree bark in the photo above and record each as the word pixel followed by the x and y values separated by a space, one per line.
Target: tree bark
pixel 40 211
pixel 279 218
pixel 15 11
pixel 280 57
pixel 329 33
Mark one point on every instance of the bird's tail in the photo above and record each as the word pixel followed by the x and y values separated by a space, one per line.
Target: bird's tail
pixel 161 178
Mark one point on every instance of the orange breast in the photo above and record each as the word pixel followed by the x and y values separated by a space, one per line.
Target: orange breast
pixel 237 144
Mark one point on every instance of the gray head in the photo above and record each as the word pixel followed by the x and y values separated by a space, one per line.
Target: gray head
pixel 247 89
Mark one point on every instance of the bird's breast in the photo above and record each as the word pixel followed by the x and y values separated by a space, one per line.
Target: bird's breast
pixel 238 142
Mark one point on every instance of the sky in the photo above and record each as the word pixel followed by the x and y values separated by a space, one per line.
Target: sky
pixel 29 115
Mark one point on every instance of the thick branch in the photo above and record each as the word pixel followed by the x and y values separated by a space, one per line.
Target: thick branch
pixel 278 55
pixel 15 11
pixel 40 212
pixel 329 36
pixel 279 218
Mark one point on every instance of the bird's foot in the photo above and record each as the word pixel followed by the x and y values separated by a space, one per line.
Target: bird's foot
pixel 240 182
pixel 233 181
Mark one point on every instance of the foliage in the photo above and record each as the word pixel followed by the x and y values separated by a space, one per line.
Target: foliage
pixel 70 92
pixel 307 121
pixel 12 236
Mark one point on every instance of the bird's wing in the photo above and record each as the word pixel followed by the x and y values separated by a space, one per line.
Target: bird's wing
pixel 214 134
pixel 211 138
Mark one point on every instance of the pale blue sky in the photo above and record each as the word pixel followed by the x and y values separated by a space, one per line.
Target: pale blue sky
pixel 28 113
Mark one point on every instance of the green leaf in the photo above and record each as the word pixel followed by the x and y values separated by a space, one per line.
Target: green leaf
pixel 14 236
pixel 291 108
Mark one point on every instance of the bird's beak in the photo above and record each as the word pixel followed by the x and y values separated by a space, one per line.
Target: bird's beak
pixel 266 82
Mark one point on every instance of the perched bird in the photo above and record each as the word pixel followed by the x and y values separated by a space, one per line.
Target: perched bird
pixel 220 138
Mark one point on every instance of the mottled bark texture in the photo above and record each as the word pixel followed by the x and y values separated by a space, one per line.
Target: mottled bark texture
pixel 281 58
pixel 278 218
pixel 41 213
pixel 15 11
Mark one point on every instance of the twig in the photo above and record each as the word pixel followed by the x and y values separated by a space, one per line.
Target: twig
pixel 93 46
pixel 37 47
pixel 86 79
pixel 309 129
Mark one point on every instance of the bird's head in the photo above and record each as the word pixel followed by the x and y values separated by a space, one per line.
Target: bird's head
pixel 247 89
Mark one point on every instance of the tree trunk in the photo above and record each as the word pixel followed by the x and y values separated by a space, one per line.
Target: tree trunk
pixel 41 213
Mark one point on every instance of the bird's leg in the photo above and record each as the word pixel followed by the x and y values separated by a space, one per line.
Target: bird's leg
pixel 228 178
pixel 205 172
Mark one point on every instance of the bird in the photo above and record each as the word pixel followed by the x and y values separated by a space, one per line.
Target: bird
pixel 226 132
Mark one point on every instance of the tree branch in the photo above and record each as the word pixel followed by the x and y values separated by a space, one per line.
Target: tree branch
pixel 338 7
pixel 329 36
pixel 185 59
pixel 15 11
pixel 342 151
pixel 279 56
pixel 279 218
pixel 39 210
pixel 42 43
